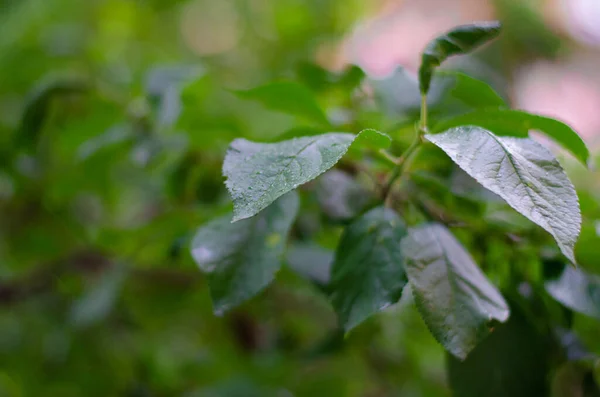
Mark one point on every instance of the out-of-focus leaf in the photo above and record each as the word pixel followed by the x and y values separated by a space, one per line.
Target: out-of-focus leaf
pixel 242 258
pixel 577 290
pixel 340 196
pixel 368 270
pixel 451 93
pixel 259 173
pixel 587 249
pixel 459 40
pixel 97 303
pixel 288 97
pixel 468 90
pixel 507 122
pixel 521 171
pixel 513 361
pixel 311 261
pixel 113 136
pixel 164 85
pixel 38 104
pixel 318 78
pixel 454 297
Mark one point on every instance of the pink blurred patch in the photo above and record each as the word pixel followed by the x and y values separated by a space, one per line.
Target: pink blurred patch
pixel 558 92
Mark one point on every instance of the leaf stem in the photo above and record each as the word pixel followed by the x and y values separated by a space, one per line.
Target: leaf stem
pixel 423 121
pixel 402 162
pixel 400 167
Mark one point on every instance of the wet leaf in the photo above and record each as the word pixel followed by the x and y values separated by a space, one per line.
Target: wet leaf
pixel 368 270
pixel 507 122
pixel 452 294
pixel 241 258
pixel 259 173
pixel 521 171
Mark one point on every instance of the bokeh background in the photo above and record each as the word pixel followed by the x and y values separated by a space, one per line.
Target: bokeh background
pixel 114 119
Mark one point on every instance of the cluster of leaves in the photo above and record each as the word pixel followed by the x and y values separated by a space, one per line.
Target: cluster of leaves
pixel 378 256
pixel 115 157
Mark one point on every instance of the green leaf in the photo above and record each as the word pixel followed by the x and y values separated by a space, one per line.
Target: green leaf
pixel 368 270
pixel 459 40
pixel 242 258
pixel 259 173
pixel 521 171
pixel 456 300
pixel 468 90
pixel 577 290
pixel 512 362
pixel 518 123
pixel 38 105
pixel 451 93
pixel 288 97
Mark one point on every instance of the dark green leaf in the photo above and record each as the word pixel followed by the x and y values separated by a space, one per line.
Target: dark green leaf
pixel 368 270
pixel 288 97
pixel 38 105
pixel 518 123
pixel 577 290
pixel 512 362
pixel 259 173
pixel 242 258
pixel 523 173
pixel 454 297
pixel 459 40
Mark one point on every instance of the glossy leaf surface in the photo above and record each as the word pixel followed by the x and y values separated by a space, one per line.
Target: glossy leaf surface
pixel 242 258
pixel 507 122
pixel 259 173
pixel 454 297
pixel 521 171
pixel 368 270
pixel 459 40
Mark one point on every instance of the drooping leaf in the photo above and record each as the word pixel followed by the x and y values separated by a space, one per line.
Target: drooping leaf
pixel 311 261
pixel 456 300
pixel 577 290
pixel 513 361
pixel 507 122
pixel 368 270
pixel 242 258
pixel 459 40
pixel 259 173
pixel 288 97
pixel 521 171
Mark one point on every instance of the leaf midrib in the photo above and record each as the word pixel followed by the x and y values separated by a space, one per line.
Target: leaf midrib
pixel 518 173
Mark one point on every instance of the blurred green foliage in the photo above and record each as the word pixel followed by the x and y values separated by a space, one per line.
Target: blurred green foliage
pixel 114 119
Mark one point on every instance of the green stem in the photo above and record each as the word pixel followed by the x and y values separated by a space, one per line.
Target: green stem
pixel 402 162
pixel 423 122
pixel 401 166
